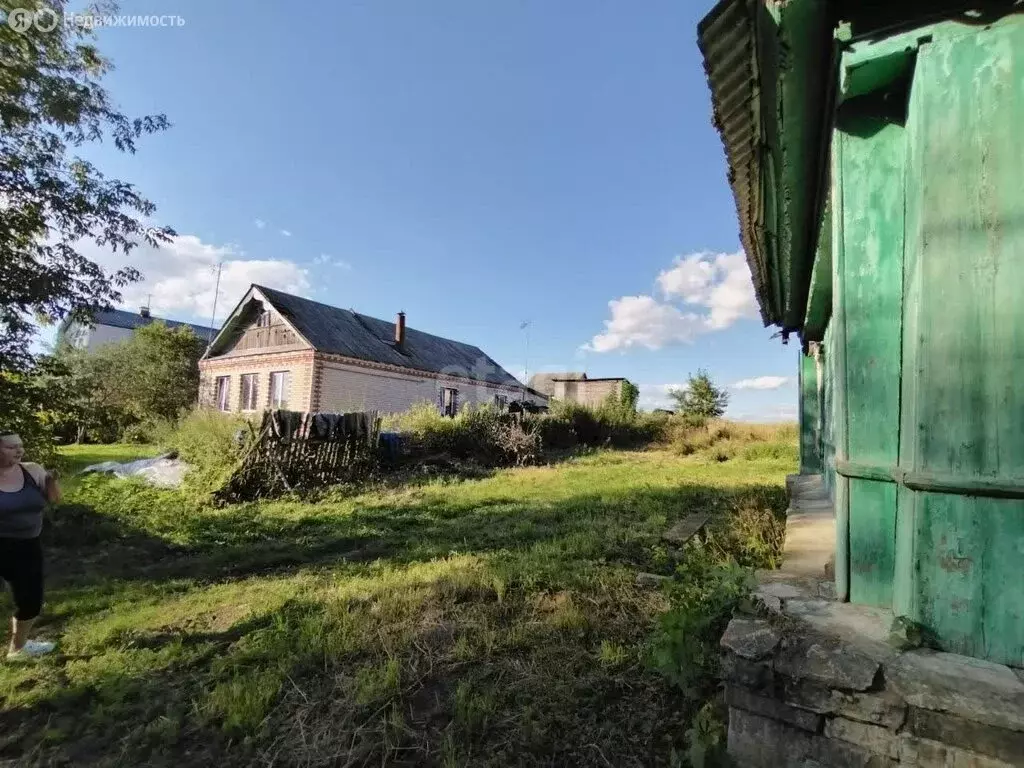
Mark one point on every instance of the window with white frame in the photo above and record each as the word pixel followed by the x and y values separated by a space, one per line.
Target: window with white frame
pixel 223 393
pixel 249 391
pixel 449 401
pixel 280 383
pixel 501 401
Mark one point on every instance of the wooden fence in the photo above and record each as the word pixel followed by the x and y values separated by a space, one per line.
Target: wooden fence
pixel 293 450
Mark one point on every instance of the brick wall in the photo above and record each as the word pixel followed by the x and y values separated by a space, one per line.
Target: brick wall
pixel 298 364
pixel 590 392
pixel 320 383
pixel 346 387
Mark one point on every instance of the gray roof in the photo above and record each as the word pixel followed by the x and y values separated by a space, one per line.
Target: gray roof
pixel 120 318
pixel 347 333
pixel 545 382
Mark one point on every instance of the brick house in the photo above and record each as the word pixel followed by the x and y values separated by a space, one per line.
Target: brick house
pixel 276 350
pixel 575 387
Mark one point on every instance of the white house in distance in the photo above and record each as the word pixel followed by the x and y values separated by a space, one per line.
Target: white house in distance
pixel 276 350
pixel 117 325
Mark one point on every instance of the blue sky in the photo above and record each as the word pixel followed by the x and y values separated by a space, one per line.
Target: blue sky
pixel 476 164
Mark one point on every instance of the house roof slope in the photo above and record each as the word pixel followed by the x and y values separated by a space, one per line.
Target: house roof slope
pixel 348 333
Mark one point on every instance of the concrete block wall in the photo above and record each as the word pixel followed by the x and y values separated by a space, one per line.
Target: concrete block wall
pixel 589 392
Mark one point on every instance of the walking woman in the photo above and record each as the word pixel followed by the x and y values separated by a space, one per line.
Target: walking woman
pixel 25 490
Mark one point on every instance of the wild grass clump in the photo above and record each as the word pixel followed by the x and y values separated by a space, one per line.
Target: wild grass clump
pixel 479 433
pixel 721 441
pixel 210 441
pixel 714 576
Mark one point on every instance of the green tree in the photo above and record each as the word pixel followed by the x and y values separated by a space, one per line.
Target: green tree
pixel 630 395
pixel 152 375
pixel 701 400
pixel 51 103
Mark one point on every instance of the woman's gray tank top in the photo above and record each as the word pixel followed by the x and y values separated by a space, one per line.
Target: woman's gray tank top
pixel 21 512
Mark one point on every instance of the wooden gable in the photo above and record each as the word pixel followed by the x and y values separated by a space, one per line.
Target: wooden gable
pixel 255 328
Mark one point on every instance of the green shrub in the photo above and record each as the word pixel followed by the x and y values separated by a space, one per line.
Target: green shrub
pixel 703 594
pixel 209 441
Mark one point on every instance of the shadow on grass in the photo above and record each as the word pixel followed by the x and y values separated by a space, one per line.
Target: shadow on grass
pixel 85 547
pixel 531 657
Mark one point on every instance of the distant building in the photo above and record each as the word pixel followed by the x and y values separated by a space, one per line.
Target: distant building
pixel 117 325
pixel 282 351
pixel 575 387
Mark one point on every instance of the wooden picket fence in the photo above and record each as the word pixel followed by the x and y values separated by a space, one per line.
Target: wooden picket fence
pixel 300 451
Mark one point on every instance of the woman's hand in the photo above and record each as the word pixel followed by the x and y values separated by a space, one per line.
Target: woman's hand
pixel 51 488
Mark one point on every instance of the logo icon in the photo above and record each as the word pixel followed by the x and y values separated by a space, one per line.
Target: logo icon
pixel 47 19
pixel 20 20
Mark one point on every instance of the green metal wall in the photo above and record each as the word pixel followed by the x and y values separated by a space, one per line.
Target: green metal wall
pixel 928 337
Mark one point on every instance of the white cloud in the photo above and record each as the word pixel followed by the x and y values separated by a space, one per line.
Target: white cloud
pixel 644 321
pixel 657 395
pixel 260 223
pixel 341 264
pixel 718 281
pixel 286 233
pixel 181 276
pixel 767 415
pixel 763 382
pixel 700 293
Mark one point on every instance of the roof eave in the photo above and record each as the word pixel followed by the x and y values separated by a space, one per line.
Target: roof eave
pixel 768 69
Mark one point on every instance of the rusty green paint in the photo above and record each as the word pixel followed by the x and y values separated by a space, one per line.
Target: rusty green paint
pixel 872 156
pixel 960 556
pixel 837 330
pixel 819 300
pixel 810 417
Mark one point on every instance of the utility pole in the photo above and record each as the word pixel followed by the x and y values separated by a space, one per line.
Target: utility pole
pixel 216 293
pixel 525 326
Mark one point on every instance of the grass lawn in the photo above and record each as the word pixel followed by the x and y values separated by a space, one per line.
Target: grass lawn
pixel 488 622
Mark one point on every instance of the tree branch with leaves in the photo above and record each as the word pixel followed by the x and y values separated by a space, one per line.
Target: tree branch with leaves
pixel 53 202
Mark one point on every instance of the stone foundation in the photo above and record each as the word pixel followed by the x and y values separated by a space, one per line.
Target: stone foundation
pixel 814 682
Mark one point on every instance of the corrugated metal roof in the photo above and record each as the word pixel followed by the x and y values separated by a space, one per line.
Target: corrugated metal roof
pixel 121 318
pixel 350 334
pixel 727 38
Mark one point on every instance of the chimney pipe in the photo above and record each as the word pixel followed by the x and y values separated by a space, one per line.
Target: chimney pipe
pixel 144 311
pixel 400 329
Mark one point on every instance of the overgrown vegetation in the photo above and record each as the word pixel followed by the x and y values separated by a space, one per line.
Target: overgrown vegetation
pixel 52 102
pixel 127 390
pixel 492 438
pixel 479 622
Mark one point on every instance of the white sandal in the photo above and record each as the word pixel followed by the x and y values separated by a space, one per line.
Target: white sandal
pixel 31 650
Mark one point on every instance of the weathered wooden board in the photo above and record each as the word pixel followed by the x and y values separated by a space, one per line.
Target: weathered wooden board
pixel 961 557
pixel 810 417
pixel 873 156
pixel 684 530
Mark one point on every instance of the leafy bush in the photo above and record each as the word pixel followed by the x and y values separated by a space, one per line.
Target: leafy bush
pixel 209 441
pixel 703 594
pixel 468 435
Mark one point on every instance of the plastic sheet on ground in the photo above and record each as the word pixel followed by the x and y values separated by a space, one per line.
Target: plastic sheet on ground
pixel 165 471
